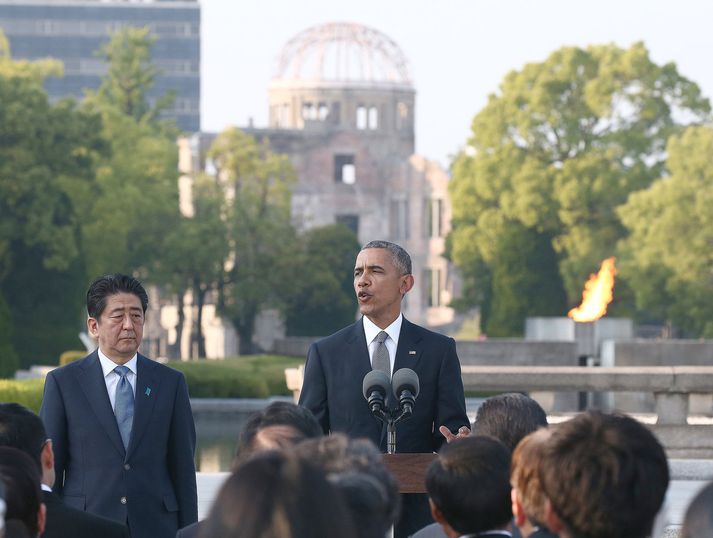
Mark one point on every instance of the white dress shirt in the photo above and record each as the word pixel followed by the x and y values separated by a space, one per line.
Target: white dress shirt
pixel 112 379
pixel 371 331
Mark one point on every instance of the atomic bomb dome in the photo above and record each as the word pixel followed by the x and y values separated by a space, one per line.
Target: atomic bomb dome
pixel 343 55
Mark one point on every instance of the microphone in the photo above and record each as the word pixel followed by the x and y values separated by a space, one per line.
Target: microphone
pixel 406 387
pixel 375 387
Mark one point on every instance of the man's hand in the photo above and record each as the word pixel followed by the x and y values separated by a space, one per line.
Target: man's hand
pixel 463 431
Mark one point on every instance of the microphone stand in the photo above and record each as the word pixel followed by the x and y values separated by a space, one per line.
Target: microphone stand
pixel 391 417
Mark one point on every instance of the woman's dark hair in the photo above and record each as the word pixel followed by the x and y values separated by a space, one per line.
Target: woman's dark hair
pixel 21 478
pixel 277 495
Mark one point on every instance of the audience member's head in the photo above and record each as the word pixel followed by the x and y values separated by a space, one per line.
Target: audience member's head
pixel 357 468
pixel 20 428
pixel 279 425
pixel 698 522
pixel 278 495
pixel 604 475
pixel 469 486
pixel 528 502
pixel 509 417
pixel 21 478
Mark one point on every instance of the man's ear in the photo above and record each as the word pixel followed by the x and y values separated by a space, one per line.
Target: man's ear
pixel 93 327
pixel 41 519
pixel 406 284
pixel 517 511
pixel 436 513
pixel 552 520
pixel 47 456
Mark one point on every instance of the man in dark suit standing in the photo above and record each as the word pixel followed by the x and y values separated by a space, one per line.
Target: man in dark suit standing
pixel 383 339
pixel 20 428
pixel 121 424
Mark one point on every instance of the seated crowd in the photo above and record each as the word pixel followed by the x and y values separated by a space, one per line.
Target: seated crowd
pixel 597 475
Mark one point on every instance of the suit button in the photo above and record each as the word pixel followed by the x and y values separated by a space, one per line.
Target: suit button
pixel 123 500
pixel 127 466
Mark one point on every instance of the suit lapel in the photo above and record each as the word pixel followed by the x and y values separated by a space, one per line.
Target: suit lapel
pixel 147 389
pixel 91 380
pixel 358 349
pixel 408 352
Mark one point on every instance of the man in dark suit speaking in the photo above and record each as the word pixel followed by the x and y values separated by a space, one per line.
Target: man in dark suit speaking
pixel 383 339
pixel 121 424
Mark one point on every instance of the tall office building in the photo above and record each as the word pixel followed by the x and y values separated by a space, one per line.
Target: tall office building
pixel 73 31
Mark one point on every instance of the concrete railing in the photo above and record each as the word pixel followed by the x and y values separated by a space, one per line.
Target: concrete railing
pixel 672 387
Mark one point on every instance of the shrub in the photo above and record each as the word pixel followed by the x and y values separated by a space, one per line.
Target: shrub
pixel 27 392
pixel 71 356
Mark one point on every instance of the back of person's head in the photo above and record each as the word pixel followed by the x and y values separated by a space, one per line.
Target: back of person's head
pixel 107 285
pixel 20 428
pixel 469 485
pixel 605 476
pixel 698 522
pixel 21 478
pixel 277 495
pixel 279 425
pixel 357 468
pixel 509 417
pixel 525 479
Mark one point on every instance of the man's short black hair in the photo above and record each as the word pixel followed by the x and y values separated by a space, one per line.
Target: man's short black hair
pixel 21 478
pixel 299 418
pixel 469 483
pixel 509 417
pixel 399 256
pixel 605 475
pixel 20 428
pixel 107 285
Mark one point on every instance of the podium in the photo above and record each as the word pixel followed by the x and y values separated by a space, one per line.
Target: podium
pixel 409 470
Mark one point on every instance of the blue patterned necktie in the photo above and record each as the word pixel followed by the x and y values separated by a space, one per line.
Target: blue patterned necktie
pixel 124 404
pixel 381 359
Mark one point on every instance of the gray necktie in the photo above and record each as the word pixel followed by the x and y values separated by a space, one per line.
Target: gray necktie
pixel 124 404
pixel 381 360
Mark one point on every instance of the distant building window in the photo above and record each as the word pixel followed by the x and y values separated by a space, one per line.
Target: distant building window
pixel 309 111
pixel 399 219
pixel 432 287
pixel 322 111
pixel 344 169
pixel 350 221
pixel 373 118
pixel 434 217
pixel 402 115
pixel 361 117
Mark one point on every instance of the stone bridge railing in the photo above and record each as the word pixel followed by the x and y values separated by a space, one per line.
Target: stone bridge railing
pixel 671 385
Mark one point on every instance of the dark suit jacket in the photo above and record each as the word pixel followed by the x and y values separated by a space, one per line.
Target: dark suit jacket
pixel 336 367
pixel 63 522
pixel 152 485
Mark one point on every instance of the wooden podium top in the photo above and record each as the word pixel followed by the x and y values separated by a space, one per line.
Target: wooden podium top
pixel 409 470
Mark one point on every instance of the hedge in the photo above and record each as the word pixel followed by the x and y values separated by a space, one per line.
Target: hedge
pixel 27 392
pixel 253 376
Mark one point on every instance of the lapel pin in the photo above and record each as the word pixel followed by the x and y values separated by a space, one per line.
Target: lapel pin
pixel 412 352
pixel 148 391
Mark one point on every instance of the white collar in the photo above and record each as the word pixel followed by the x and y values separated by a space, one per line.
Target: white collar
pixel 371 329
pixel 108 365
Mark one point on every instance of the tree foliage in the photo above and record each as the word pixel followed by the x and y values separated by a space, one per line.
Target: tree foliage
pixel 262 241
pixel 668 256
pixel 321 300
pixel 558 148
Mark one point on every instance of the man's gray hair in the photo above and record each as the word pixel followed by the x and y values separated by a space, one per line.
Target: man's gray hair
pixel 399 256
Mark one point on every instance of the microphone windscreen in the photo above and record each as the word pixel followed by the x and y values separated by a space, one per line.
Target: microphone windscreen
pixel 405 379
pixel 375 380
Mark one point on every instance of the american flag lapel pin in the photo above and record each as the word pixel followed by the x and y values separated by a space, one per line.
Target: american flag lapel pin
pixel 148 391
pixel 412 352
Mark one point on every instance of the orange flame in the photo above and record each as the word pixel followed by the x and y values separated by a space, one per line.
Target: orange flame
pixel 597 294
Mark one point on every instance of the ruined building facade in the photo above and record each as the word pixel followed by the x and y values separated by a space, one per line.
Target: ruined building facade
pixel 341 106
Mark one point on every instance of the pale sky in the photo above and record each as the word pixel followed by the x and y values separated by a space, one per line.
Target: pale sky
pixel 459 50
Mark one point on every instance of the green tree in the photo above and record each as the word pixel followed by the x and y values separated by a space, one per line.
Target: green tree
pixel 668 256
pixel 558 148
pixel 194 255
pixel 47 154
pixel 321 301
pixel 131 75
pixel 262 240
